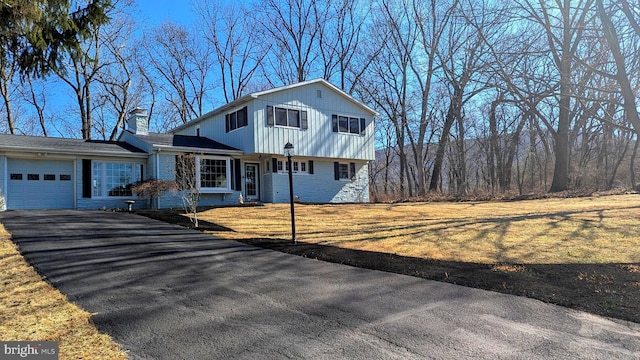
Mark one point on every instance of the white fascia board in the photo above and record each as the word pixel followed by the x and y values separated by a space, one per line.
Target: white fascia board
pixel 48 151
pixel 215 112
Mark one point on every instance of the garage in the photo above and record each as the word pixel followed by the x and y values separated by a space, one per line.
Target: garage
pixel 40 184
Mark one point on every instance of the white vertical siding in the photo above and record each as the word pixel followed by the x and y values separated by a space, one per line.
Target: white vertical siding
pixel 318 140
pixel 214 128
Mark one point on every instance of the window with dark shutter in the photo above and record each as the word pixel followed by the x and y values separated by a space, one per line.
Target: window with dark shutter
pixel 270 119
pixel 363 124
pixel 243 117
pixel 227 124
pixel 352 170
pixel 274 165
pixel 334 122
pixel 310 166
pixel 336 171
pixel 304 125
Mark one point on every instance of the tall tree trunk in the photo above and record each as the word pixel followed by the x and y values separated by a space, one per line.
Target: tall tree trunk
pixel 560 180
pixel 454 108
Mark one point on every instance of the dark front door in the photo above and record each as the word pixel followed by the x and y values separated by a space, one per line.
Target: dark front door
pixel 251 185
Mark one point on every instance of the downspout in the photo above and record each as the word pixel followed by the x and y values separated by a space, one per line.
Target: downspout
pixel 157 176
pixel 4 193
pixel 75 183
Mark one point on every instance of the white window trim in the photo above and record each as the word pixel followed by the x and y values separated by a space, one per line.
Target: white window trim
pixel 285 171
pixel 349 117
pixel 349 177
pixel 275 123
pixel 213 190
pixel 103 180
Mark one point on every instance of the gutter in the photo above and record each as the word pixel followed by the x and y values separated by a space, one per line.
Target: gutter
pixel 192 149
pixel 50 151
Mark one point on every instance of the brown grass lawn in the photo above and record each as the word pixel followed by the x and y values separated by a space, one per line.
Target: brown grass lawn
pixel 582 253
pixel 32 310
pixel 594 230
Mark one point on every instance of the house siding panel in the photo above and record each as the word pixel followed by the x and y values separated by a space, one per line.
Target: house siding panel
pixel 214 128
pixel 173 200
pixel 321 187
pixel 106 203
pixel 318 140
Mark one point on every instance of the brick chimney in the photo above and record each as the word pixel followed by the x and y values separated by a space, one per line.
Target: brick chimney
pixel 138 121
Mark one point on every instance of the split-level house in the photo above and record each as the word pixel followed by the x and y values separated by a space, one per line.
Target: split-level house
pixel 238 150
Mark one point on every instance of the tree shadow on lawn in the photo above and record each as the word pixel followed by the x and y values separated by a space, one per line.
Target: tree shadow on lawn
pixel 609 290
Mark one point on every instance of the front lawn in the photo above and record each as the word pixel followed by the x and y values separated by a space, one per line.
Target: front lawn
pixel 579 252
pixel 32 310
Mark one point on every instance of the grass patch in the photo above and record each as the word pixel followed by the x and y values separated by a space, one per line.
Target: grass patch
pixel 32 310
pixel 595 230
pixel 576 252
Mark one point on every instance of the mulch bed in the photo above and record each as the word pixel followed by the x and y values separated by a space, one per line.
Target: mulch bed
pixel 611 290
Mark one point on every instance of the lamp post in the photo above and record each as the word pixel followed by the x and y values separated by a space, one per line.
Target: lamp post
pixel 288 152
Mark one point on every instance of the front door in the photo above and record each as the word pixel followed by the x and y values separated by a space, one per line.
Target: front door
pixel 251 186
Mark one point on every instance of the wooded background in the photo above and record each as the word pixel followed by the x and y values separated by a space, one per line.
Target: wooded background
pixel 474 96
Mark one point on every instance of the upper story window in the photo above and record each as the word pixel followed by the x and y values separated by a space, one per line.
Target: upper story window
pixel 348 125
pixel 236 119
pixel 287 117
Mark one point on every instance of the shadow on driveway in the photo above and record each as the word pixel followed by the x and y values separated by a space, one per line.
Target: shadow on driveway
pixel 165 292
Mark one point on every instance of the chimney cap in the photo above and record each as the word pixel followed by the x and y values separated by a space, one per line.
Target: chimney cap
pixel 138 110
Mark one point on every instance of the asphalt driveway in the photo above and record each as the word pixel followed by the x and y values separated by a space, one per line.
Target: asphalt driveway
pixel 165 292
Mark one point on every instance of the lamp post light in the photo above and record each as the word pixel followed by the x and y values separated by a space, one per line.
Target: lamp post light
pixel 288 152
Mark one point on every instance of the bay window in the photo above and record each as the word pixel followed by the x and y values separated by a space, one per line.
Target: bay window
pixel 211 174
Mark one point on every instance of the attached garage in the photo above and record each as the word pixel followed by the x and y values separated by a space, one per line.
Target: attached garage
pixel 40 184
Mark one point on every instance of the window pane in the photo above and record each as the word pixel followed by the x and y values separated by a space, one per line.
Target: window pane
pixel 279 165
pixel 344 171
pixel 97 178
pixel 49 177
pixel 33 176
pixel 281 116
pixel 213 173
pixel 303 166
pixel 233 121
pixel 295 166
pixel 294 118
pixel 354 125
pixel 119 178
pixel 16 177
pixel 343 124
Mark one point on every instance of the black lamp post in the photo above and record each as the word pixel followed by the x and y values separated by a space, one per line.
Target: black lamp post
pixel 288 152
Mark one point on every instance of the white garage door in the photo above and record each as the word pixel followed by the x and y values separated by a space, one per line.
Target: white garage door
pixel 40 184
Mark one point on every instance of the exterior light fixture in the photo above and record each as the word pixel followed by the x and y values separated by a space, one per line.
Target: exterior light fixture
pixel 288 152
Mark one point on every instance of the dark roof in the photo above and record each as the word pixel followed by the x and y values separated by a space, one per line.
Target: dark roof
pixel 189 141
pixel 41 143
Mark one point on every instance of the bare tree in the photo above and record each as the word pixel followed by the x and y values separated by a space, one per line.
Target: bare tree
pixel 292 26
pixel 187 183
pixel 340 39
pixel 238 49
pixel 182 66
pixel 7 71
